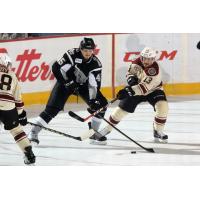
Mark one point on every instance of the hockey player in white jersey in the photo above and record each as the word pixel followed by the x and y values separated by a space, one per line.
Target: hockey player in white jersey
pixel 144 84
pixel 12 114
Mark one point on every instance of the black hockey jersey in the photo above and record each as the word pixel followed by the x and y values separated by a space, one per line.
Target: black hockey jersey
pixel 73 66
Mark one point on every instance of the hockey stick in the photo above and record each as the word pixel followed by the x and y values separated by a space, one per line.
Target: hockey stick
pixel 146 149
pixel 80 138
pixel 82 120
pixel 74 115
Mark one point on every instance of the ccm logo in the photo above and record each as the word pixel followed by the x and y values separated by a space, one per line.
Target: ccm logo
pixel 130 56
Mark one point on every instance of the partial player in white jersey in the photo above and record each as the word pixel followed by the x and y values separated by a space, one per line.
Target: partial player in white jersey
pixel 12 114
pixel 144 85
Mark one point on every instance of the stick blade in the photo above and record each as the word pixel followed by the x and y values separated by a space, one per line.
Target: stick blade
pixel 150 150
pixel 75 116
pixel 87 134
pixel 79 139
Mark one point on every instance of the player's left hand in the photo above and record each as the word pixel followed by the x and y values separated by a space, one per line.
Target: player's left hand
pixel 94 104
pixel 71 85
pixel 125 93
pixel 132 80
pixel 23 118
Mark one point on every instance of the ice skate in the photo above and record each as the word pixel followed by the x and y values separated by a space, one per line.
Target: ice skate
pixel 160 136
pixel 98 139
pixel 33 137
pixel 29 158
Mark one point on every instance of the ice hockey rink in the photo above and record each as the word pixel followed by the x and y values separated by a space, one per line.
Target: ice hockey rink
pixel 183 148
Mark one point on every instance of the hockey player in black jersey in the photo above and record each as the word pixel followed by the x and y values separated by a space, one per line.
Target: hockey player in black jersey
pixel 77 71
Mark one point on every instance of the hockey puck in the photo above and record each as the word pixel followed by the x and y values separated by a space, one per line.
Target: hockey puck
pixel 133 152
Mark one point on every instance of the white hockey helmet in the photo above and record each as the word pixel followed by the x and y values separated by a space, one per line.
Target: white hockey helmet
pixel 4 58
pixel 148 52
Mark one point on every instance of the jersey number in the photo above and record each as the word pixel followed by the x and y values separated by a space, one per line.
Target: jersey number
pixel 148 80
pixel 61 61
pixel 6 81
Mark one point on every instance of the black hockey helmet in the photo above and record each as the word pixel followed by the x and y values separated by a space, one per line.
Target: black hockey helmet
pixel 87 43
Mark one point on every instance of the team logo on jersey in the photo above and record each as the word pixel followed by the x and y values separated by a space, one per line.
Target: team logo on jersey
pixel 136 68
pixel 78 60
pixel 151 71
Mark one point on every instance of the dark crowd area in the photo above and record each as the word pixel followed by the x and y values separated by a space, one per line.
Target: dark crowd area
pixel 13 36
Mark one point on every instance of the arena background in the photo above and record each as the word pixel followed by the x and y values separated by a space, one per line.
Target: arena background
pixel 177 54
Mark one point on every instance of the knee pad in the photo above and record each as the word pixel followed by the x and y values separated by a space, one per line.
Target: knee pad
pixel 49 113
pixel 15 131
pixel 117 115
pixel 114 119
pixel 20 137
pixel 161 108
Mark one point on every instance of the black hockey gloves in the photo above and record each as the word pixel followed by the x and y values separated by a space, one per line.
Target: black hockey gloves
pixel 94 104
pixel 125 93
pixel 132 80
pixel 23 118
pixel 71 85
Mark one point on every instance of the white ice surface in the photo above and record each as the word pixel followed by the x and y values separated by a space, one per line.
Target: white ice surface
pixel 183 148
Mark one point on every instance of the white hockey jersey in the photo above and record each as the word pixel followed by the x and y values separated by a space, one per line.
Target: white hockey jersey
pixel 149 77
pixel 10 92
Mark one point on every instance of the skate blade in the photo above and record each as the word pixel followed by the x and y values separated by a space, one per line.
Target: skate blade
pixel 33 164
pixel 34 143
pixel 158 140
pixel 94 142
